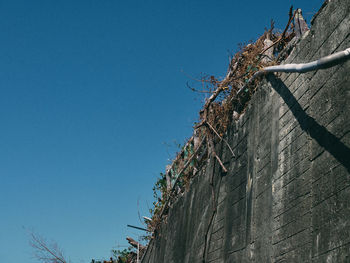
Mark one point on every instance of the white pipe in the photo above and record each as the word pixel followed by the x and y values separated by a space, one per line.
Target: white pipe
pixel 322 63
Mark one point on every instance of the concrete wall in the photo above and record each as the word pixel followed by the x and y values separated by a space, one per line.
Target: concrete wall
pixel 286 196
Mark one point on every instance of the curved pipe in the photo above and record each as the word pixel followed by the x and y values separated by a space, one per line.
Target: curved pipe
pixel 322 63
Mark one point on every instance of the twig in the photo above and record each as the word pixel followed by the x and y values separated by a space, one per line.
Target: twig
pixel 221 138
pixel 195 90
pixel 195 79
pixel 200 124
pixel 39 244
pixel 220 162
pixel 212 151
pixel 134 243
pixel 291 17
pixel 214 96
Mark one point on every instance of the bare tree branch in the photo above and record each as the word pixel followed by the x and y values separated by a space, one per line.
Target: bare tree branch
pixel 217 134
pixel 44 252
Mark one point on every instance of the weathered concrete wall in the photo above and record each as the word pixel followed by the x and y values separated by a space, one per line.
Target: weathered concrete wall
pixel 286 196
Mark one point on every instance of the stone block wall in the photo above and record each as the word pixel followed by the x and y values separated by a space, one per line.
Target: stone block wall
pixel 286 196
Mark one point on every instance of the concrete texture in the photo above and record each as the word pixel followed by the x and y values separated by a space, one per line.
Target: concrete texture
pixel 286 195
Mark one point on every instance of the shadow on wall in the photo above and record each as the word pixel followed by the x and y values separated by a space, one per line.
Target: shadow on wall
pixel 318 132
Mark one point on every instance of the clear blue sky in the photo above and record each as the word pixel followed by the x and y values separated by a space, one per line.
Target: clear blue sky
pixel 91 93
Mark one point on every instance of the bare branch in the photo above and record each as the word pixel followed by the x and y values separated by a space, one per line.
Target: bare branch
pixel 199 91
pixel 134 243
pixel 217 134
pixel 211 149
pixel 291 17
pixel 44 252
